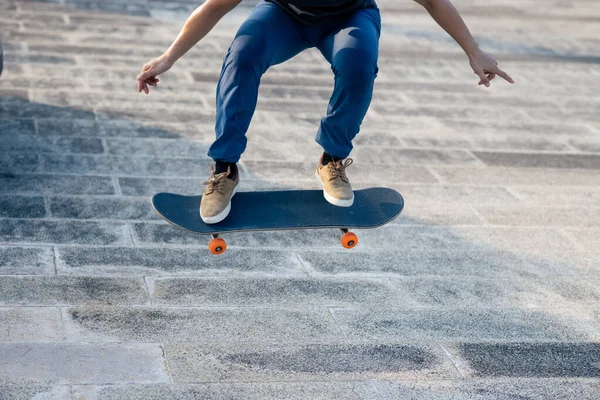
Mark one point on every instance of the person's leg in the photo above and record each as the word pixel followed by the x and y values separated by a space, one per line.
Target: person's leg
pixel 268 37
pixel 351 48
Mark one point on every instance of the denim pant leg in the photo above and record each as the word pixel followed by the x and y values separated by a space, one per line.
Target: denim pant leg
pixel 269 36
pixel 352 48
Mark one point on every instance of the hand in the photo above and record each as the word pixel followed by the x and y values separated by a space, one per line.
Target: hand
pixel 486 68
pixel 150 71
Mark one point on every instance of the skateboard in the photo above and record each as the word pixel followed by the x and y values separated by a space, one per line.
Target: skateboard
pixel 282 210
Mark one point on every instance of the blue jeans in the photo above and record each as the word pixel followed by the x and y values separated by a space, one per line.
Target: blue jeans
pixel 269 37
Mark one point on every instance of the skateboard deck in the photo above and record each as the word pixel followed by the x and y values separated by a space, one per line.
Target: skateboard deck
pixel 282 210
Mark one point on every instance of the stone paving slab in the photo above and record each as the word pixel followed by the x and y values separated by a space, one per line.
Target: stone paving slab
pixel 181 261
pixel 463 324
pixel 586 216
pixel 256 390
pixel 534 389
pixel 65 290
pixel 74 232
pixel 588 238
pixel 121 165
pixel 587 196
pixel 191 363
pixel 437 215
pixel 30 324
pixel 529 160
pixel 22 207
pixel 452 291
pixel 57 184
pixel 202 325
pixel 516 176
pixel 54 144
pixel 285 292
pixel 83 363
pixel 544 360
pixel 16 260
pixel 418 263
pixel 33 390
pixel 85 208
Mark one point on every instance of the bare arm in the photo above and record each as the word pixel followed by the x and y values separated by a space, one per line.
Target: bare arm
pixel 196 27
pixel 198 24
pixel 444 13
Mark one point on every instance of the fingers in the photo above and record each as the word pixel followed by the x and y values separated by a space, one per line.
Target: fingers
pixel 484 79
pixel 490 77
pixel 144 74
pixel 147 76
pixel 143 86
pixel 145 81
pixel 504 75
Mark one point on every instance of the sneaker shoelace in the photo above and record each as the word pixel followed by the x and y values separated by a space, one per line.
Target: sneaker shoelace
pixel 338 169
pixel 216 181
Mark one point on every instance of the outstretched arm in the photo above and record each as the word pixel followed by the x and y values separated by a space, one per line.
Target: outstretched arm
pixel 198 24
pixel 444 13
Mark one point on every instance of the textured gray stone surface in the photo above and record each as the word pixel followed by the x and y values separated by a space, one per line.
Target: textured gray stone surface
pixel 433 214
pixel 231 391
pixel 559 196
pixel 475 291
pixel 588 238
pixel 416 263
pixel 462 324
pixel 56 184
pixel 27 390
pixel 532 160
pixel 83 363
pixel 72 232
pixel 251 362
pixel 199 325
pixel 30 324
pixel 65 290
pixel 486 287
pixel 102 208
pixel 273 292
pixel 531 389
pixel 22 207
pixel 541 215
pixel 54 144
pixel 175 261
pixel 568 360
pixel 16 260
pixel 517 176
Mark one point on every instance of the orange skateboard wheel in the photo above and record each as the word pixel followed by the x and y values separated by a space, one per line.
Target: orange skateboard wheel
pixel 217 246
pixel 349 240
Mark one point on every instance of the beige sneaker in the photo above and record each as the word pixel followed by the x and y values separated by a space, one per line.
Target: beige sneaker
pixel 216 201
pixel 336 187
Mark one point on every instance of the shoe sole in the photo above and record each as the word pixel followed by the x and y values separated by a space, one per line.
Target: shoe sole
pixel 222 215
pixel 332 200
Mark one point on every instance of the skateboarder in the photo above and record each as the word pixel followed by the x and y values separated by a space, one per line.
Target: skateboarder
pixel 347 34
